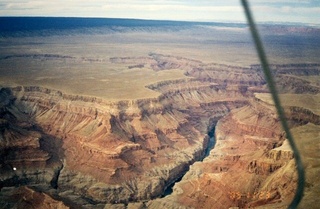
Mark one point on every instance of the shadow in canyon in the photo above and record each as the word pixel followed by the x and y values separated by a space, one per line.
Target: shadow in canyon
pixel 28 156
pixel 211 143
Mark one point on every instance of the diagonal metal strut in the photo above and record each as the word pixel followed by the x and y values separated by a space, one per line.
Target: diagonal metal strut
pixel 268 76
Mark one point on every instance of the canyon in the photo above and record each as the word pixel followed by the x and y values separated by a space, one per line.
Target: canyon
pixel 112 117
pixel 89 152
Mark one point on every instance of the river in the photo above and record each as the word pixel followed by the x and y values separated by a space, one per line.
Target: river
pixel 210 146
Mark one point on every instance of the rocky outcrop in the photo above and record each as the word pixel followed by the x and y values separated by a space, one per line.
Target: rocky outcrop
pixel 25 197
pixel 302 115
pixel 296 85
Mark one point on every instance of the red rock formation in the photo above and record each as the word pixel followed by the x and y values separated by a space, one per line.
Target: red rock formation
pixel 250 166
pixel 94 151
pixel 27 198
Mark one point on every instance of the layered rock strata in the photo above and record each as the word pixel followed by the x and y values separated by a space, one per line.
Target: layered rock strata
pixel 87 152
pixel 252 165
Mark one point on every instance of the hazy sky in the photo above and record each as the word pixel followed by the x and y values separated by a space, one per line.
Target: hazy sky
pixel 307 11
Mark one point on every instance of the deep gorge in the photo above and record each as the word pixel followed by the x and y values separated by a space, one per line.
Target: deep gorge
pixel 211 142
pixel 88 151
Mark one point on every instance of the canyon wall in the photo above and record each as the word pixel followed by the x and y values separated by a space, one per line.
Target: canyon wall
pixel 252 164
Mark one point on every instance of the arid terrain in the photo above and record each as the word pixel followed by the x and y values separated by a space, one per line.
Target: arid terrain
pixel 111 117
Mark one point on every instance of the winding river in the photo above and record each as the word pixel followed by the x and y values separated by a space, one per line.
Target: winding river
pixel 210 146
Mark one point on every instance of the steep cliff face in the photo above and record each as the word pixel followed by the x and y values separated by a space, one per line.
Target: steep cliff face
pixel 89 151
pixel 116 144
pixel 252 164
pixel 243 138
pixel 123 151
pixel 25 155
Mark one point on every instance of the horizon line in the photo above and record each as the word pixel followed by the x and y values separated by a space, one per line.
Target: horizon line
pixel 169 20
